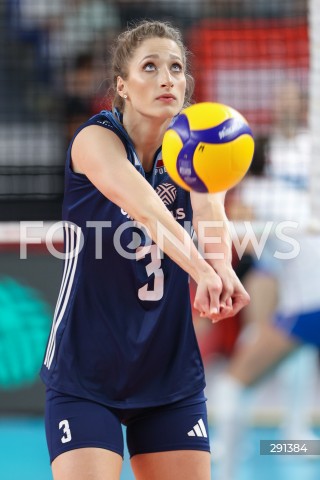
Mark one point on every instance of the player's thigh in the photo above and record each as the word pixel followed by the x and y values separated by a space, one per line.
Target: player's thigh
pixel 171 442
pixel 84 438
pixel 177 465
pixel 87 463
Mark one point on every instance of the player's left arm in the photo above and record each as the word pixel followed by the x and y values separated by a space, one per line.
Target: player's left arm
pixel 210 223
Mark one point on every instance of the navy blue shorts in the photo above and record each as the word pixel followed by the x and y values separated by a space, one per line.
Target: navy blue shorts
pixel 304 327
pixel 73 422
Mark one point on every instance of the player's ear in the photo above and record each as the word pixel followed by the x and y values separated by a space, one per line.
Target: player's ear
pixel 120 86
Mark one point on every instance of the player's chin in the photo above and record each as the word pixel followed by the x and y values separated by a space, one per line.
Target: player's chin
pixel 172 109
pixel 164 113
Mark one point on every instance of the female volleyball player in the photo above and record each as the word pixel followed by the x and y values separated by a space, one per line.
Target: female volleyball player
pixel 122 349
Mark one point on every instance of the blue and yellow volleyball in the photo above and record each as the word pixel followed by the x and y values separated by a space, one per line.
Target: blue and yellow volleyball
pixel 209 148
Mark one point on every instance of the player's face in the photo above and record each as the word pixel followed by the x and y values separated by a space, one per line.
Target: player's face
pixel 156 80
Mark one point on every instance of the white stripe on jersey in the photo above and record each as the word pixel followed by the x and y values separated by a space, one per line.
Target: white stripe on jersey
pixel 66 271
pixel 67 281
pixel 136 159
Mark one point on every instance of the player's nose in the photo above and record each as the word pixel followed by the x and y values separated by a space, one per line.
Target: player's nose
pixel 166 78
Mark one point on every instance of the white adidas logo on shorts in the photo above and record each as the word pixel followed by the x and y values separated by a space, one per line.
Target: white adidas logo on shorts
pixel 199 430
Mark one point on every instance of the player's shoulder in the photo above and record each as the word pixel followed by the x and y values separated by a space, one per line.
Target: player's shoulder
pixel 107 120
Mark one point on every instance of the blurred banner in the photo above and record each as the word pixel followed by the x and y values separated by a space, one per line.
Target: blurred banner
pixel 28 292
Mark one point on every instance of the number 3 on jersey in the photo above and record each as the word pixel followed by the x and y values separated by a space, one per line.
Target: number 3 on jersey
pixel 64 425
pixel 152 268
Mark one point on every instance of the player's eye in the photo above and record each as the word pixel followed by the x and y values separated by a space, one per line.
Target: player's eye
pixel 149 67
pixel 176 67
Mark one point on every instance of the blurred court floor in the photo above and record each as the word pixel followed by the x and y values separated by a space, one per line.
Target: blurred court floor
pixel 23 455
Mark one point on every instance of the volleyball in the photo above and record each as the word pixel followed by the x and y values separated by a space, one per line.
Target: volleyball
pixel 209 148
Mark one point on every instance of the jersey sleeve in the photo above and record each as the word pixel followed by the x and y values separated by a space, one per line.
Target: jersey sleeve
pixel 105 119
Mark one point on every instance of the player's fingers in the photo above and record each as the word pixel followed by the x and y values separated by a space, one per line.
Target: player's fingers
pixel 222 315
pixel 226 308
pixel 214 293
pixel 235 304
pixel 229 302
pixel 201 301
pixel 240 301
pixel 226 294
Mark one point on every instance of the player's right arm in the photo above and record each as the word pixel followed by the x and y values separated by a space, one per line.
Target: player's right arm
pixel 100 155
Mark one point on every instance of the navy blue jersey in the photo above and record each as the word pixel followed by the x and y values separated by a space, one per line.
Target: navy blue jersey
pixel 122 332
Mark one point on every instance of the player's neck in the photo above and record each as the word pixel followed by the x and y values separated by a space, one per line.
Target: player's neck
pixel 147 138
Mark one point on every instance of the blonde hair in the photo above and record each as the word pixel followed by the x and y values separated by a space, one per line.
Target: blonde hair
pixel 130 40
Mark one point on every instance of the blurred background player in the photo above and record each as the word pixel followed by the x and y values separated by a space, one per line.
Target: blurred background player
pixel 284 313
